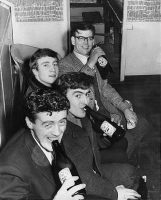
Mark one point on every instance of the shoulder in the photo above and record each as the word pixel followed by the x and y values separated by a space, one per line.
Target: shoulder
pixel 15 149
pixel 67 58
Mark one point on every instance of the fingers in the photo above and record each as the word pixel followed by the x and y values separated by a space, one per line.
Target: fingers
pixel 97 51
pixel 125 193
pixel 112 119
pixel 69 190
pixel 74 190
pixel 131 118
pixel 131 194
pixel 70 182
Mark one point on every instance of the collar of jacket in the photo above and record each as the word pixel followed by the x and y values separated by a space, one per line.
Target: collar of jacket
pixel 35 84
pixel 80 67
pixel 75 129
pixel 38 157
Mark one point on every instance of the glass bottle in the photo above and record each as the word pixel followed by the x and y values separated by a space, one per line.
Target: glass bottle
pixel 103 125
pixel 103 65
pixel 63 167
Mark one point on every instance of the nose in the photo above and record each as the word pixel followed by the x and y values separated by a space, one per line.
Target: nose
pixel 56 130
pixel 53 67
pixel 85 100
pixel 86 40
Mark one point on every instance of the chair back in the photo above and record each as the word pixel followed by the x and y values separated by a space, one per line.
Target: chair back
pixel 20 53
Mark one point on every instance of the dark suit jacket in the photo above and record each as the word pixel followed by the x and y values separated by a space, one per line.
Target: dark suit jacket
pixel 81 146
pixel 25 172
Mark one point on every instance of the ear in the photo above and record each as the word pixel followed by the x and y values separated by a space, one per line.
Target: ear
pixel 29 123
pixel 73 40
pixel 94 42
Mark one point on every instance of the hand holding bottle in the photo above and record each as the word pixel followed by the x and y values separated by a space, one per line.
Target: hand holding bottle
pixel 131 118
pixel 104 126
pixel 116 118
pixel 94 55
pixel 64 169
pixel 69 190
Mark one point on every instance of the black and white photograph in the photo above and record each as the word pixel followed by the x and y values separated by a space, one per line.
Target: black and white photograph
pixel 80 99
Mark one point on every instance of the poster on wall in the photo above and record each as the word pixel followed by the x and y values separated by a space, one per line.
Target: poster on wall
pixel 38 10
pixel 144 10
pixel 41 23
pixel 83 1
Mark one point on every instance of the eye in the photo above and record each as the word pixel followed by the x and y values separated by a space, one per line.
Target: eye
pixel 90 38
pixel 63 122
pixel 48 125
pixel 78 96
pixel 88 94
pixel 45 65
pixel 55 64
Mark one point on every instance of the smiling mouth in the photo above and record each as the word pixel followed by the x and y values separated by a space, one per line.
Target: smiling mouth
pixel 51 139
pixel 53 76
pixel 83 109
pixel 86 47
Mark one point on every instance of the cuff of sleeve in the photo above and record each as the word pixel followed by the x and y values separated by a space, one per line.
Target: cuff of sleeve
pixel 86 69
pixel 124 105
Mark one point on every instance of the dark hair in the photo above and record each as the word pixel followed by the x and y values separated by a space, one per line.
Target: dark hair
pixel 74 80
pixel 44 101
pixel 82 26
pixel 39 54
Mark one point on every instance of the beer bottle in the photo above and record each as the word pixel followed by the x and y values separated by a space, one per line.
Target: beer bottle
pixel 102 124
pixel 63 168
pixel 142 189
pixel 103 65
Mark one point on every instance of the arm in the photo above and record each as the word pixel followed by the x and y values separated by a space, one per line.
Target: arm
pixel 101 186
pixel 113 96
pixel 97 185
pixel 12 185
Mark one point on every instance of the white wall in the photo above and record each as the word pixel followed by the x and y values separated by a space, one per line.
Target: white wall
pixel 44 34
pixel 141 47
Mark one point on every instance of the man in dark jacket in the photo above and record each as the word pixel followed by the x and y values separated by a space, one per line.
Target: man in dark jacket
pixel 43 70
pixel 25 162
pixel 115 181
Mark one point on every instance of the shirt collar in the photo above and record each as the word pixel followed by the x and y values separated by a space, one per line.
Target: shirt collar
pixel 81 57
pixel 73 119
pixel 47 153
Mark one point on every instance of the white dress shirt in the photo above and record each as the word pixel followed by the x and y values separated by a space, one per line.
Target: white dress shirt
pixel 47 153
pixel 81 57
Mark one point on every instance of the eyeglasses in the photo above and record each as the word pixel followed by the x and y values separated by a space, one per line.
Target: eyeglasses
pixel 83 39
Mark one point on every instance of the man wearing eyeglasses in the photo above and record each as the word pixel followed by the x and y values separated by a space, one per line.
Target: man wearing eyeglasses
pixel 104 98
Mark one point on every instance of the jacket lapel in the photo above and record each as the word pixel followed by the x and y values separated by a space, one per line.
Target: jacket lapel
pixel 74 139
pixel 38 157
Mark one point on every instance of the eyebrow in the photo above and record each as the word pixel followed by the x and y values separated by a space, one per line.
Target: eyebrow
pixel 44 122
pixel 80 92
pixel 45 62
